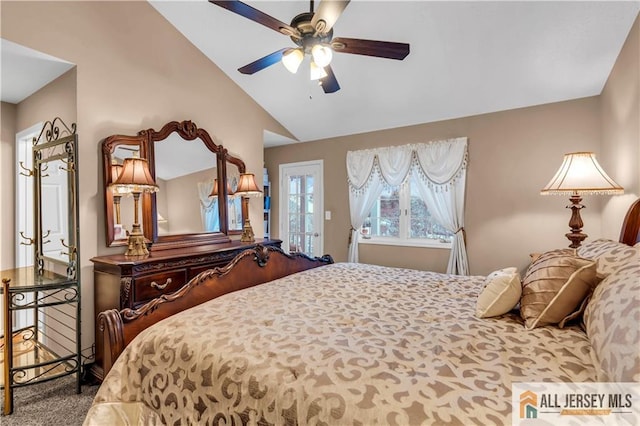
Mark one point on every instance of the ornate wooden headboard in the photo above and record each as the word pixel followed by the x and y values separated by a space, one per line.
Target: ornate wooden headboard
pixel 630 233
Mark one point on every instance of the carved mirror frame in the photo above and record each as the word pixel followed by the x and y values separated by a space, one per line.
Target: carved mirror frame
pixel 146 140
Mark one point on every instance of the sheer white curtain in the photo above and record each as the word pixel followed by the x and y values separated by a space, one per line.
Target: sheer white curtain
pixel 364 189
pixel 439 165
pixel 208 207
pixel 442 168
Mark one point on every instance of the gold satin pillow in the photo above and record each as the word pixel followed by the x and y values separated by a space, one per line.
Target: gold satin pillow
pixel 555 286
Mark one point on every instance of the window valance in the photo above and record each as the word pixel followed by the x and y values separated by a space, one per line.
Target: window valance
pixel 438 162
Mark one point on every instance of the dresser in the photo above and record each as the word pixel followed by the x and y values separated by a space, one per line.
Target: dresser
pixel 128 282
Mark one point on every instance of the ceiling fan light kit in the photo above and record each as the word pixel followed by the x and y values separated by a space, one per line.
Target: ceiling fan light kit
pixel 316 72
pixel 322 54
pixel 292 59
pixel 312 32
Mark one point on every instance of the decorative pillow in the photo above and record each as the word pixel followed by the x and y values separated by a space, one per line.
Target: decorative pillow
pixel 612 322
pixel 502 290
pixel 555 286
pixel 609 254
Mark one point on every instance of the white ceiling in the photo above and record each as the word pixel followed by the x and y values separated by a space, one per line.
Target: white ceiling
pixel 24 71
pixel 466 58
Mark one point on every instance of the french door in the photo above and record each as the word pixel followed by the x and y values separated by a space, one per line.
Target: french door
pixel 301 206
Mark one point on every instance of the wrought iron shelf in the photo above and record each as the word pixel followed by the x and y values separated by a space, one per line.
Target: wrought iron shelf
pixel 33 362
pixel 48 347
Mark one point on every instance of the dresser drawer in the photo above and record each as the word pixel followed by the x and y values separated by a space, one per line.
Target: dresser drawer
pixel 151 286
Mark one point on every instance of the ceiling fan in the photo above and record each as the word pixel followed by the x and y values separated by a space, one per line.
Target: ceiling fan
pixel 312 32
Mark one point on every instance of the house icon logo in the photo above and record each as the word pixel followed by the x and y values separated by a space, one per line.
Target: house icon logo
pixel 528 405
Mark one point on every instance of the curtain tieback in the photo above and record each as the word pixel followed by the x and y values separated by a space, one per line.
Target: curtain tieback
pixel 461 229
pixel 351 233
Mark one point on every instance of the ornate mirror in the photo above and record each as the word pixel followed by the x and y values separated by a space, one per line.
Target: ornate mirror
pixel 56 196
pixel 185 163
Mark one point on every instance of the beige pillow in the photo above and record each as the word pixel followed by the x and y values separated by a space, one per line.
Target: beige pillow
pixel 502 290
pixel 554 288
pixel 609 254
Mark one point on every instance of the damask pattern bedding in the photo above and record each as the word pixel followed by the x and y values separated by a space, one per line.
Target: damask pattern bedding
pixel 342 344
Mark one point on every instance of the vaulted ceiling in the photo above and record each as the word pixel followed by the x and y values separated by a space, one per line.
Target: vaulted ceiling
pixel 466 58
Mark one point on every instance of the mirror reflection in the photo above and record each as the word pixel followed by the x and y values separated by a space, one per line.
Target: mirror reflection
pixel 122 203
pixel 234 203
pixel 185 172
pixel 54 195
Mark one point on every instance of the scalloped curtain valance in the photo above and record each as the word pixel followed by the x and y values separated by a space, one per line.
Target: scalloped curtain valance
pixel 440 165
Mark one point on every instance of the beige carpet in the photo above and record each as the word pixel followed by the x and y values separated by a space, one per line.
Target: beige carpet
pixel 51 403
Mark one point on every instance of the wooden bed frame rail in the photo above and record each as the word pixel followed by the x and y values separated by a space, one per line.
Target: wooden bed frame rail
pixel 251 267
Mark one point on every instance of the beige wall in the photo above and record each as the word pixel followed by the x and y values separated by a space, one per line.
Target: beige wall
pixel 7 184
pixel 620 148
pixel 512 155
pixel 134 71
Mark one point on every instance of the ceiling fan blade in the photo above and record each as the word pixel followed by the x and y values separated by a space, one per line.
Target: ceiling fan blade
pixel 257 16
pixel 263 63
pixel 329 83
pixel 327 14
pixel 381 49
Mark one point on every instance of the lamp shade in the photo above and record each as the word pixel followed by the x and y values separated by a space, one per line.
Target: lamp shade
pixel 580 173
pixel 316 72
pixel 214 191
pixel 292 60
pixel 322 54
pixel 247 185
pixel 135 177
pixel 116 169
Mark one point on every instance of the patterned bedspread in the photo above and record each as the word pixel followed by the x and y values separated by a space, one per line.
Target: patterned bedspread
pixel 342 344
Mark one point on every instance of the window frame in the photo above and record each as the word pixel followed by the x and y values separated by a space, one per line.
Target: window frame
pixel 404 198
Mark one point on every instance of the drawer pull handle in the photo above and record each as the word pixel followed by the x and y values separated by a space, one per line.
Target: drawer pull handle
pixel 161 286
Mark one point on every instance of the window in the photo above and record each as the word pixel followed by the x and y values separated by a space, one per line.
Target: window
pixel 400 217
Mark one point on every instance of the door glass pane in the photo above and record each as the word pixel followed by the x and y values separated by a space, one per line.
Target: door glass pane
pixel 301 213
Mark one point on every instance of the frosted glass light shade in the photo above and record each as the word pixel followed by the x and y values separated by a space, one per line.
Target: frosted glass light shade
pixel 316 72
pixel 292 60
pixel 322 55
pixel 580 173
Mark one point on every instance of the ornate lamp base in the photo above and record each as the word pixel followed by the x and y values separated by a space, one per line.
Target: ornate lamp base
pixel 137 245
pixel 247 232
pixel 576 236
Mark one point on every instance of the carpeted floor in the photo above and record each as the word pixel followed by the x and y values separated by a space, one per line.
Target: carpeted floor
pixel 53 403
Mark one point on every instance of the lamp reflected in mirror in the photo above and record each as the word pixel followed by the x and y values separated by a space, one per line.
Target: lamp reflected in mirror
pixel 247 187
pixel 215 192
pixel 135 178
pixel 116 169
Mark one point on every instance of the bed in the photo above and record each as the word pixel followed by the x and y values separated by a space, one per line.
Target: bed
pixel 341 343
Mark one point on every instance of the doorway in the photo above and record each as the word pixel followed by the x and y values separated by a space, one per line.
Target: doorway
pixel 24 194
pixel 301 207
pixel 24 212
